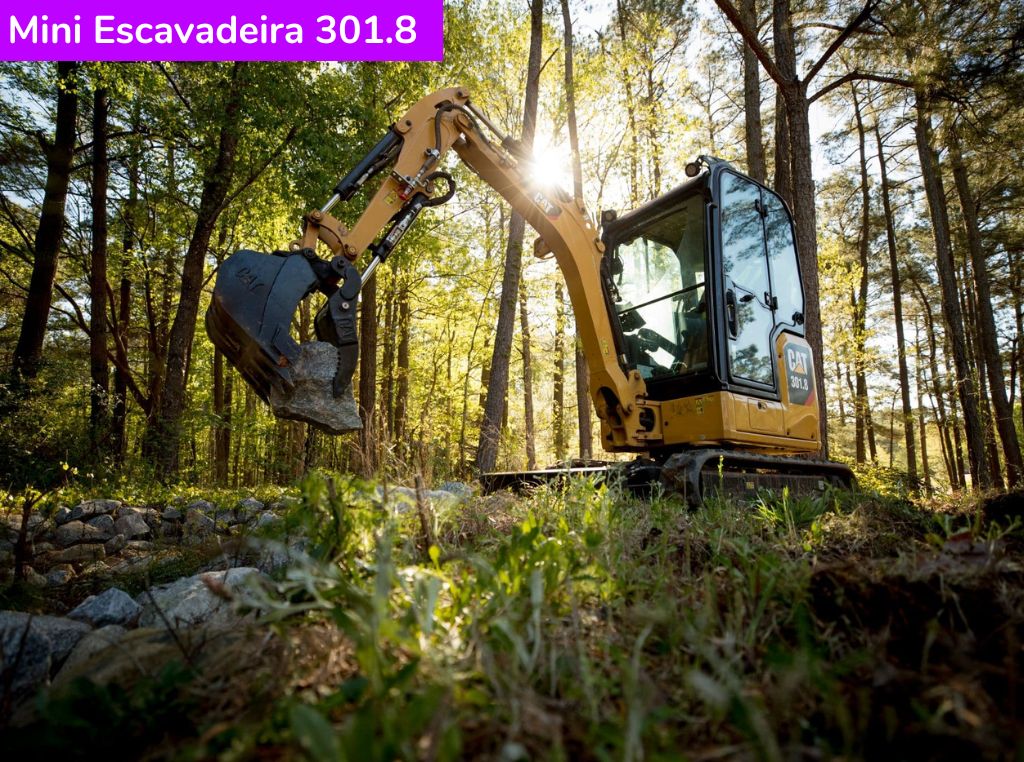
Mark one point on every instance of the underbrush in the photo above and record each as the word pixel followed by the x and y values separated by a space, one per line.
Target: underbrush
pixel 583 623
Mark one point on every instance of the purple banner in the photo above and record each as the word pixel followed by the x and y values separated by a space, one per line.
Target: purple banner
pixel 216 30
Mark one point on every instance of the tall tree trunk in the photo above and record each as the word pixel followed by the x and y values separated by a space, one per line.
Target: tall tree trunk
pixel 497 386
pixel 387 414
pixel 897 303
pixel 222 389
pixel 919 383
pixel 785 55
pixel 937 392
pixel 583 411
pixel 29 351
pixel 950 300
pixel 524 332
pixel 402 374
pixel 989 348
pixel 860 303
pixel 368 437
pixel 558 396
pixel 99 372
pixel 119 406
pixel 752 100
pixel 166 433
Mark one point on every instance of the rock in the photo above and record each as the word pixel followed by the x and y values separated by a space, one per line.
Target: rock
pixel 312 399
pixel 34 578
pixel 113 606
pixel 104 523
pixel 139 546
pixel 30 646
pixel 132 525
pixel 203 506
pixel 457 488
pixel 79 554
pixel 190 601
pixel 42 547
pixel 112 655
pixel 171 514
pixel 250 505
pixel 198 523
pixel 267 519
pixel 115 544
pixel 89 508
pixel 75 532
pixel 62 515
pixel 60 575
pixel 91 644
pixel 97 569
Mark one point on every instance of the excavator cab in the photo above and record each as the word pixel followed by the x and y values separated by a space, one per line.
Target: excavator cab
pixel 704 284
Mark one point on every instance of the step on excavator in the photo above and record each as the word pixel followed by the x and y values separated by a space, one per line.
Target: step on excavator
pixel 690 308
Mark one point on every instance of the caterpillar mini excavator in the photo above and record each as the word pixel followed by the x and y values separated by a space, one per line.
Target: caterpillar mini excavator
pixel 689 308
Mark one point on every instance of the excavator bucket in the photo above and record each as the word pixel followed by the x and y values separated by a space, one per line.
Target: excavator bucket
pixel 249 319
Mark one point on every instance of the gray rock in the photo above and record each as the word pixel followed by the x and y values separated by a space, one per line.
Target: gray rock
pixel 89 508
pixel 60 575
pixel 312 399
pixel 75 532
pixel 267 519
pixel 42 547
pixel 132 525
pixel 457 488
pixel 204 506
pixel 62 515
pixel 171 513
pixel 140 546
pixel 113 606
pixel 96 569
pixel 115 544
pixel 190 601
pixel 250 505
pixel 104 523
pixel 91 644
pixel 34 578
pixel 80 554
pixel 198 523
pixel 30 649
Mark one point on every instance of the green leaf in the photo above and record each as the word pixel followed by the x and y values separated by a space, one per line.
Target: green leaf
pixel 314 733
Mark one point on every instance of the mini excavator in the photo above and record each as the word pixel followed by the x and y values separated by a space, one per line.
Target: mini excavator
pixel 690 308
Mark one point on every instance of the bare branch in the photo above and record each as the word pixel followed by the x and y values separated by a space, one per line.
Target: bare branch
pixel 750 37
pixel 855 76
pixel 837 43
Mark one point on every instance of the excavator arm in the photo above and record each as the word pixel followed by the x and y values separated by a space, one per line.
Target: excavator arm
pixel 256 294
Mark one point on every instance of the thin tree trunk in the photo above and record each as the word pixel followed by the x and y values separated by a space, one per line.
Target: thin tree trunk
pixel 497 387
pixel 166 434
pixel 524 332
pixel 402 374
pixel 919 383
pixel 558 396
pixel 222 414
pixel 752 100
pixel 99 372
pixel 29 351
pixel 860 305
pixel 368 437
pixel 897 302
pixel 950 301
pixel 989 348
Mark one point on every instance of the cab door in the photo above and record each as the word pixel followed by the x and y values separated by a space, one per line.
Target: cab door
pixel 749 311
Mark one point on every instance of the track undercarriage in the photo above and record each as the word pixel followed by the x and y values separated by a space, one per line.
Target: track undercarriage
pixel 695 475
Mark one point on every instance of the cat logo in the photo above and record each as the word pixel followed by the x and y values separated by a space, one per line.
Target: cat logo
pixel 797 361
pixel 550 209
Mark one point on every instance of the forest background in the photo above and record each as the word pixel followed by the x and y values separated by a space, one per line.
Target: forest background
pixel 893 129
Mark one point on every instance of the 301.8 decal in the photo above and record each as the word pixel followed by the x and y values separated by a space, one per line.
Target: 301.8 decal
pixel 799 373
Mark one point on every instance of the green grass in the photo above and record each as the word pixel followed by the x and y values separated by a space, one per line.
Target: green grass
pixel 583 623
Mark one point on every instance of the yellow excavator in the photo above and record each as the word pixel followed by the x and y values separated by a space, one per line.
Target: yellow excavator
pixel 689 308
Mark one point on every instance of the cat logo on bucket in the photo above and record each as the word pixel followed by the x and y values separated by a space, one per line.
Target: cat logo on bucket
pixel 799 375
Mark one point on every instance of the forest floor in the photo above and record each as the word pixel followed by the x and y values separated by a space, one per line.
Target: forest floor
pixel 584 623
